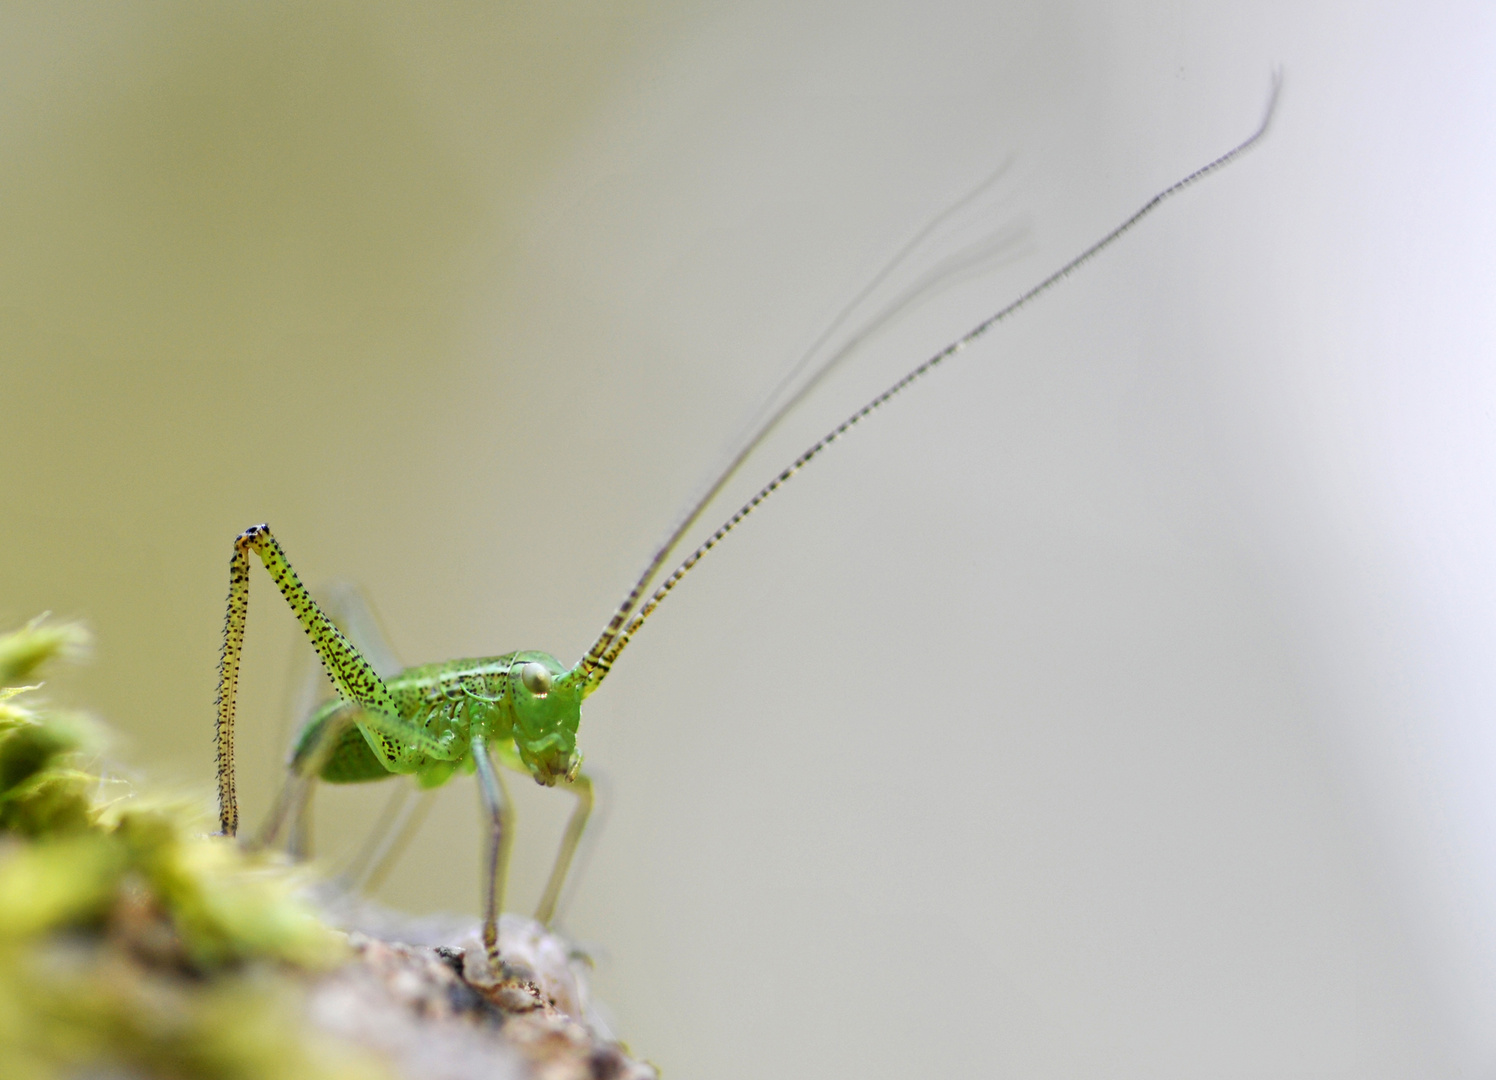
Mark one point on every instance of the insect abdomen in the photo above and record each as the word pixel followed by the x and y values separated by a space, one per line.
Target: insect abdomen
pixel 352 760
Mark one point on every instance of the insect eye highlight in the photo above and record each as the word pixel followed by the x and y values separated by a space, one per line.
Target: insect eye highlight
pixel 536 678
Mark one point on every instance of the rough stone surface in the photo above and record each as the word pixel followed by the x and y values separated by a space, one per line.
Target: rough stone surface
pixel 437 1012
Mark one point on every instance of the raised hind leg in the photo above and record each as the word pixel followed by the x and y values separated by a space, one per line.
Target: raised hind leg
pixel 352 613
pixel 397 743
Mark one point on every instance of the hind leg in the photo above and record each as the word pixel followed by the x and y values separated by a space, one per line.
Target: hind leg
pixel 350 610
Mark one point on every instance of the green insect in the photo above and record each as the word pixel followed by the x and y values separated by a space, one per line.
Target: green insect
pixel 520 710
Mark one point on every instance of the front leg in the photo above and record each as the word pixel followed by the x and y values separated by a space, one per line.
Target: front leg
pixel 581 787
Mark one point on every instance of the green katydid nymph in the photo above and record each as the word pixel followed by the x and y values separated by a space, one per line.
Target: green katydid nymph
pixel 520 710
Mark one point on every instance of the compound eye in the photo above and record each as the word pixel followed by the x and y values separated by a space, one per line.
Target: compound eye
pixel 536 678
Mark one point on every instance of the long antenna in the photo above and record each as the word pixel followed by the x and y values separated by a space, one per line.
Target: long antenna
pixel 764 421
pixel 768 416
pixel 599 659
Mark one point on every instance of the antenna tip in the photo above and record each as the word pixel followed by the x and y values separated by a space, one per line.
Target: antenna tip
pixel 1275 87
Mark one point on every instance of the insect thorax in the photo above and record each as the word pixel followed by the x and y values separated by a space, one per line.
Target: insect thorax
pixel 531 727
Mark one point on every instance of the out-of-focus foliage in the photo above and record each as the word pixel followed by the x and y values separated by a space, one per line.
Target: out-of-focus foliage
pixel 130 941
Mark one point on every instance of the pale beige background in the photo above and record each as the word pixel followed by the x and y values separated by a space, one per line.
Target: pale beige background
pixel 1118 704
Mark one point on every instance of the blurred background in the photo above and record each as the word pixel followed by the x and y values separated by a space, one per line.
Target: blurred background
pixel 1117 703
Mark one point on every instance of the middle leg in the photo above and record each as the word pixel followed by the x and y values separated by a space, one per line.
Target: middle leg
pixel 501 834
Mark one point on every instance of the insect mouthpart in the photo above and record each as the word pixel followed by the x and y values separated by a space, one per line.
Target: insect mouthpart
pixel 549 773
pixel 551 758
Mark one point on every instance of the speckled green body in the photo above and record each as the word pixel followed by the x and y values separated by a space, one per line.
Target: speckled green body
pixel 450 703
pixel 426 721
pixel 519 710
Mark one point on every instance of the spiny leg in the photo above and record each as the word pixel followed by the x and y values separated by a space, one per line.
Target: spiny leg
pixel 228 685
pixel 350 672
pixel 393 739
pixel 352 613
pixel 501 826
pixel 581 787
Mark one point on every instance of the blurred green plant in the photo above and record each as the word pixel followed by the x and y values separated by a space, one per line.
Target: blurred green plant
pixel 131 943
